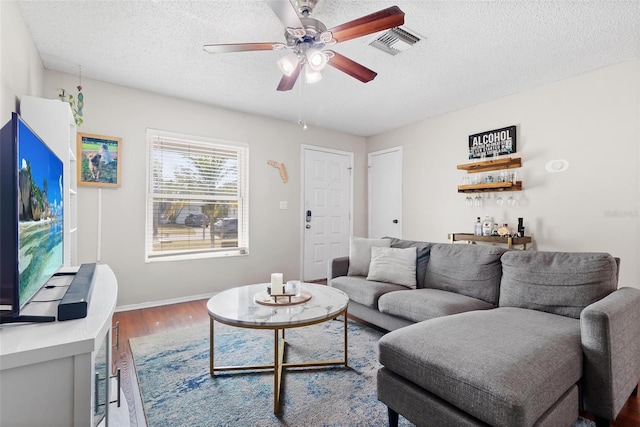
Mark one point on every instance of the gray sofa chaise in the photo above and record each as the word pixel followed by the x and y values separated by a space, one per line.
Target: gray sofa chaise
pixel 496 337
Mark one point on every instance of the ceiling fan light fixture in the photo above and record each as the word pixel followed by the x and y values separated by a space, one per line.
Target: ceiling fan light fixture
pixel 288 63
pixel 327 39
pixel 316 59
pixel 297 33
pixel 312 76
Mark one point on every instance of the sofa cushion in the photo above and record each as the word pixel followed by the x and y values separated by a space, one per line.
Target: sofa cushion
pixel 471 270
pixel 556 282
pixel 363 291
pixel 423 249
pixel 360 254
pixel 393 265
pixel 424 304
pixel 504 366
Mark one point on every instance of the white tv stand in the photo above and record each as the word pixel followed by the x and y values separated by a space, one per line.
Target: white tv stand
pixel 47 370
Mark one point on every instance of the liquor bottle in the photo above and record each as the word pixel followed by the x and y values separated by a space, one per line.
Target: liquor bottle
pixel 487 226
pixel 477 228
pixel 520 227
pixel 494 231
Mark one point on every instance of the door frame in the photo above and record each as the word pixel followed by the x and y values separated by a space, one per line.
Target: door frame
pixel 303 150
pixel 369 156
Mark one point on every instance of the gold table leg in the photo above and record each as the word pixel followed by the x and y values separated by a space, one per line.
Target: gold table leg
pixel 279 364
pixel 345 338
pixel 211 346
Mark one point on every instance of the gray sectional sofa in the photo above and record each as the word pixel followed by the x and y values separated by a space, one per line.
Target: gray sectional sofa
pixel 487 336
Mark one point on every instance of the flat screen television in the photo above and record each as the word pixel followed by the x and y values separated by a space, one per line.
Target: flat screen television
pixel 31 218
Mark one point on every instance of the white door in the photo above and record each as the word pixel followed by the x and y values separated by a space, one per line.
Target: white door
pixel 385 193
pixel 327 202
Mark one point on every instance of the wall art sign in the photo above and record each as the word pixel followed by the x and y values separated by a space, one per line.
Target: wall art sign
pixel 99 160
pixel 493 142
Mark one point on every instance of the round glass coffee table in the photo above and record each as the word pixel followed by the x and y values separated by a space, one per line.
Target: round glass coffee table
pixel 240 307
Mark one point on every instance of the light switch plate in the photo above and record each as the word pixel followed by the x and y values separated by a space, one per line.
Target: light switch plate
pixel 283 205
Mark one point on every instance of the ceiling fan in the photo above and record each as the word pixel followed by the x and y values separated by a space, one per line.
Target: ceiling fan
pixel 307 37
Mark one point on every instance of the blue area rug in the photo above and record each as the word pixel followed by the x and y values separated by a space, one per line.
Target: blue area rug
pixel 177 390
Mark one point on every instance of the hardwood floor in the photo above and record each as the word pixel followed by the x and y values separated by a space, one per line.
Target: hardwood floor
pixel 149 321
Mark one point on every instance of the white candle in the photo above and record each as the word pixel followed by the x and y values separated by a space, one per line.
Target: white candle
pixel 276 283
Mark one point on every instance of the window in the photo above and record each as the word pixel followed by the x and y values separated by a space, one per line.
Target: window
pixel 197 197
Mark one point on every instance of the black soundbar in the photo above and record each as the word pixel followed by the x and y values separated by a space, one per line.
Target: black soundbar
pixel 75 302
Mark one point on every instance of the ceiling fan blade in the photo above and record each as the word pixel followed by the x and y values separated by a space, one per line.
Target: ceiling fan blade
pixel 287 82
pixel 286 13
pixel 242 47
pixel 378 21
pixel 352 68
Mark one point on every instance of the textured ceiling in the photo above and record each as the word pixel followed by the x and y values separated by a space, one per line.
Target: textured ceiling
pixel 472 52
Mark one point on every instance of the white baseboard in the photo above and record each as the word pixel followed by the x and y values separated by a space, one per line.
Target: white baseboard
pixel 150 304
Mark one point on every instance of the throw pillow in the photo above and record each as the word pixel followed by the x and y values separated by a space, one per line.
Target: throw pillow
pixel 360 254
pixel 423 252
pixel 393 265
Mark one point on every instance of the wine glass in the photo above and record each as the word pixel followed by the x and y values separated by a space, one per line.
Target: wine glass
pixel 468 201
pixel 499 200
pixel 477 201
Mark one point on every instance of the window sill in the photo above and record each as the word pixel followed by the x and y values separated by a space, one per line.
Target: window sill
pixel 193 256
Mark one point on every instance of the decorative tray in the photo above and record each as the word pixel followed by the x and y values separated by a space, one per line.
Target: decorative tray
pixel 281 300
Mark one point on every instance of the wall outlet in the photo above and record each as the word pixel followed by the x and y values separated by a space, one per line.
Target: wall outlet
pixel 283 205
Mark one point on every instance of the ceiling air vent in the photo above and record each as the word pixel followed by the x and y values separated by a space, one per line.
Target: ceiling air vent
pixel 395 40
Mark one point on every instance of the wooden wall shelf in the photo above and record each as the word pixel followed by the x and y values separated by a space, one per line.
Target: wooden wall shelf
pixel 509 241
pixel 492 165
pixel 490 186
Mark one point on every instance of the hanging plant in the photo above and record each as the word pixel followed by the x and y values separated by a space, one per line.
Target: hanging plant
pixel 76 109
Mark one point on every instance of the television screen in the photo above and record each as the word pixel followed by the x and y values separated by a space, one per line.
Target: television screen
pixel 40 213
pixel 32 214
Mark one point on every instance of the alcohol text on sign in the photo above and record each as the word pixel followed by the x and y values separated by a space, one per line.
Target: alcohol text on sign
pixel 499 141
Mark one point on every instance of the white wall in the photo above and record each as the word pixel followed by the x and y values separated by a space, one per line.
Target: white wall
pixel 591 120
pixel 20 65
pixel 274 234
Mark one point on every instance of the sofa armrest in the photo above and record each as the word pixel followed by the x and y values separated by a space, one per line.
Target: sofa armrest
pixel 338 267
pixel 610 330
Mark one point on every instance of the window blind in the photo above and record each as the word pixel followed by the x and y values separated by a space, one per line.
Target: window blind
pixel 197 197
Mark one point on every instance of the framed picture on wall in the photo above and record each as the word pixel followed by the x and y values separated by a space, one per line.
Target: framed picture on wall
pixel 99 160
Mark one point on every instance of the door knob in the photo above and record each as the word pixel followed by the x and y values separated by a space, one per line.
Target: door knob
pixel 395 221
pixel 307 226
